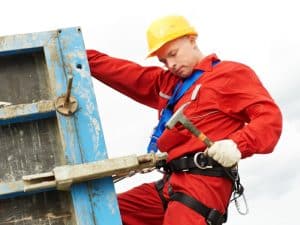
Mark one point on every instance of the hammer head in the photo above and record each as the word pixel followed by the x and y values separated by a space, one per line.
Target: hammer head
pixel 178 116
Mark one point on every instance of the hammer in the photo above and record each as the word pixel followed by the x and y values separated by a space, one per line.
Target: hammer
pixel 178 116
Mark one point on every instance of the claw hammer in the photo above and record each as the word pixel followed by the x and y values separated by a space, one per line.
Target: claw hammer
pixel 179 117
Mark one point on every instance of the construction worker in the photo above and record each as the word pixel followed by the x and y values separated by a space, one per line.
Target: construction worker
pixel 227 102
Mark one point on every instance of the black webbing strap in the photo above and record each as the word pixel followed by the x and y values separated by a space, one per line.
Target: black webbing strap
pixel 197 164
pixel 196 160
pixel 213 172
pixel 212 216
pixel 229 173
pixel 159 185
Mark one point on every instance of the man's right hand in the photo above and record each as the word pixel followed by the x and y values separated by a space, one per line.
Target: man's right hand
pixel 225 152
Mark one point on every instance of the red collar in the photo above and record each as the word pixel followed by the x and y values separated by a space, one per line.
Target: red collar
pixel 206 63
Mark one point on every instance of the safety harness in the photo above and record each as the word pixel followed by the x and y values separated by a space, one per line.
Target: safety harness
pixel 200 164
pixel 196 163
pixel 167 112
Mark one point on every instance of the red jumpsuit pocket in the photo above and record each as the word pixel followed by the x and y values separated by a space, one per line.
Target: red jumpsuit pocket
pixel 171 139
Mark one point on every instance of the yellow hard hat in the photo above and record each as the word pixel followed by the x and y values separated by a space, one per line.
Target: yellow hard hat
pixel 166 29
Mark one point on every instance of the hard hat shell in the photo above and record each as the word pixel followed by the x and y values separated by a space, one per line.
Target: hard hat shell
pixel 166 29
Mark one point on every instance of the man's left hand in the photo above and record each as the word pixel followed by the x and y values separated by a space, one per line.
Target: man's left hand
pixel 225 152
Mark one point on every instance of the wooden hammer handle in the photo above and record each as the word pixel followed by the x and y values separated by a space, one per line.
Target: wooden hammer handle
pixel 205 139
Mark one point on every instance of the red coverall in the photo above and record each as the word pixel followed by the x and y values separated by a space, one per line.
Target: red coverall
pixel 230 104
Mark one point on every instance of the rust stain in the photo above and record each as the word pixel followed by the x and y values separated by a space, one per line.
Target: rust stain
pixel 13 185
pixel 45 106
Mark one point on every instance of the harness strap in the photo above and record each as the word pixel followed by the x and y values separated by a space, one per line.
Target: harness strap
pixel 159 185
pixel 212 216
pixel 167 112
pixel 200 164
pixel 190 161
pixel 213 172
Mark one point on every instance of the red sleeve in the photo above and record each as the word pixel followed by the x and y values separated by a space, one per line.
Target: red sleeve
pixel 137 82
pixel 244 96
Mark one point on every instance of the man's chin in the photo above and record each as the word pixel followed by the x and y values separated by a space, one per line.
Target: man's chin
pixel 184 75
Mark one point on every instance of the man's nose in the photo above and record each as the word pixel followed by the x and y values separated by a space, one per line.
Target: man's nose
pixel 171 64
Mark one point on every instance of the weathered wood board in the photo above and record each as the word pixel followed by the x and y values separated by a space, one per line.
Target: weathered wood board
pixel 34 137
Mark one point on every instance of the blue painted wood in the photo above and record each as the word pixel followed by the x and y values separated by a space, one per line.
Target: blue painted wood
pixel 27 112
pixel 11 189
pixel 15 44
pixel 95 202
pixel 87 123
pixel 16 189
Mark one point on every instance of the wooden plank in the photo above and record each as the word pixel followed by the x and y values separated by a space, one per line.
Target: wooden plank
pixel 35 67
pixel 53 209
pixel 27 112
pixel 11 189
pixel 24 78
pixel 27 148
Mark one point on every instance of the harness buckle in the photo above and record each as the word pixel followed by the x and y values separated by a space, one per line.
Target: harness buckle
pixel 214 217
pixel 201 161
pixel 162 167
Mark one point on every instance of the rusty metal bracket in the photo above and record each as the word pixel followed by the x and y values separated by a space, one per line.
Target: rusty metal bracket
pixel 67 104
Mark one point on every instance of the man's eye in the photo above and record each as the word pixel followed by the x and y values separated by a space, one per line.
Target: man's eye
pixel 162 61
pixel 173 53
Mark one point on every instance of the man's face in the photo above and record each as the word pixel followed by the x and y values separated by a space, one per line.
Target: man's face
pixel 179 56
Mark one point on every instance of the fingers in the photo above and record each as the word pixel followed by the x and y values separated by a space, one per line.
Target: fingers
pixel 212 150
pixel 224 152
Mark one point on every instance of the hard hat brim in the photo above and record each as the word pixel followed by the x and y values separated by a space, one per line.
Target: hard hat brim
pixel 170 38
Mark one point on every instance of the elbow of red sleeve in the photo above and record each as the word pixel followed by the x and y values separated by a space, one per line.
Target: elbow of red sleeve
pixel 242 144
pixel 276 128
pixel 273 131
pixel 259 139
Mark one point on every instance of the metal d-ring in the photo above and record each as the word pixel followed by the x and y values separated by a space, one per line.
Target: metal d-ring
pixel 197 164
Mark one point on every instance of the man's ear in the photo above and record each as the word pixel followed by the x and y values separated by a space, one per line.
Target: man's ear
pixel 192 39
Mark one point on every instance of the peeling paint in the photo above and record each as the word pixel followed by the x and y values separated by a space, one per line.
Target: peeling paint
pixel 111 201
pixel 80 136
pixel 96 128
pixel 14 221
pixel 13 111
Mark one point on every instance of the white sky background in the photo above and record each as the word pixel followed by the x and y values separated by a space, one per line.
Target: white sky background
pixel 262 34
